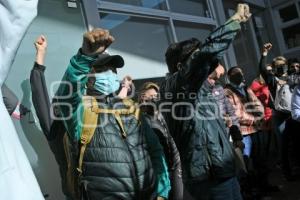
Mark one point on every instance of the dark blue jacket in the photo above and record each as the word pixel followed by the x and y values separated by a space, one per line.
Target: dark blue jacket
pixel 199 135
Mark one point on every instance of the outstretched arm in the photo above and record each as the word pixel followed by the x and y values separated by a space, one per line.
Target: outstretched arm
pixel 267 76
pixel 75 78
pixel 203 61
pixel 40 97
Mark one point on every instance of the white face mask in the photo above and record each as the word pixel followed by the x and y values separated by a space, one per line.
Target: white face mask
pixel 107 82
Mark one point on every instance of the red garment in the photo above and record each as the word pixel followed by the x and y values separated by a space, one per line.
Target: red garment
pixel 263 94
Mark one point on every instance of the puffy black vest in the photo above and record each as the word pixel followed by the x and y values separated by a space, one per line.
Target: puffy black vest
pixel 114 167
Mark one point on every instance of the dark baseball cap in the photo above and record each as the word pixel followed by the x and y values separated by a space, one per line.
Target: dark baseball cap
pixel 104 59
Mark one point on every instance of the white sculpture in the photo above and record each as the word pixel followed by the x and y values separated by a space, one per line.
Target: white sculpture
pixel 17 181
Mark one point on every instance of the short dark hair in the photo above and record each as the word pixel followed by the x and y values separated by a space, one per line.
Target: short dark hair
pixel 179 52
pixel 233 70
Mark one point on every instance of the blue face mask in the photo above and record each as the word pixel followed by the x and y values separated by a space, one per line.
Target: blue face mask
pixel 106 82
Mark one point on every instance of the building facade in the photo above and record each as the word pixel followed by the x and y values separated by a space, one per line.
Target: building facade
pixel 143 26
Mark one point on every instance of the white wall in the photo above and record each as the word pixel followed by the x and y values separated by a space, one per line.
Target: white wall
pixel 63 27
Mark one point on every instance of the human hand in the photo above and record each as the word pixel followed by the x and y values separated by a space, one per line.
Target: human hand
pixel 160 198
pixel 41 44
pixel 242 13
pixel 127 82
pixel 41 47
pixel 96 41
pixel 266 48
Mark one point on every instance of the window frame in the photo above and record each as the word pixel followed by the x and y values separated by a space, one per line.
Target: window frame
pixel 131 10
pixel 283 25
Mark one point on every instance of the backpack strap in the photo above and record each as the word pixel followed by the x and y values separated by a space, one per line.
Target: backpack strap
pixel 132 109
pixel 90 122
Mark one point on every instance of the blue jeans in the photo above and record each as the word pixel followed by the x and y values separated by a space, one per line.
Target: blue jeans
pixel 248 145
pixel 228 189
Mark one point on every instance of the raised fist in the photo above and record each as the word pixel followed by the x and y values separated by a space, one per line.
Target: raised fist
pixel 127 82
pixel 41 43
pixel 96 41
pixel 266 48
pixel 242 13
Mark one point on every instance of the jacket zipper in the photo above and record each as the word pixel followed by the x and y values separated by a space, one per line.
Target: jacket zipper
pixel 134 169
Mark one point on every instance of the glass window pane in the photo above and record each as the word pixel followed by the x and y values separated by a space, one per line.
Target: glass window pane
pixel 261 32
pixel 292 36
pixel 288 13
pixel 191 7
pixel 156 4
pixel 186 30
pixel 141 41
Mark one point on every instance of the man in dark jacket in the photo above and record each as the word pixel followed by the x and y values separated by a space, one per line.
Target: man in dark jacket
pixel 148 95
pixel 208 161
pixel 123 158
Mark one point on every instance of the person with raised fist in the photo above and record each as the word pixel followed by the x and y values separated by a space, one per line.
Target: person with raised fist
pixel 208 161
pixel 113 152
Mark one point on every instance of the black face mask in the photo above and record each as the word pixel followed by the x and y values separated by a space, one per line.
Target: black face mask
pixel 280 70
pixel 237 78
pixel 149 106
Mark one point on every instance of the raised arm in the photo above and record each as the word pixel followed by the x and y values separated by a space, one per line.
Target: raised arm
pixel 72 87
pixel 269 78
pixel 204 60
pixel 220 39
pixel 40 97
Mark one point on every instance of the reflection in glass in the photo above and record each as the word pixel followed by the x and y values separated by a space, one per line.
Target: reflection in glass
pixel 141 41
pixel 191 7
pixel 185 30
pixel 292 36
pixel 156 4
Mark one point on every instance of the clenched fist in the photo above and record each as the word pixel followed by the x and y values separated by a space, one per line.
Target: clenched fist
pixel 266 48
pixel 41 47
pixel 242 13
pixel 127 82
pixel 96 41
pixel 41 43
